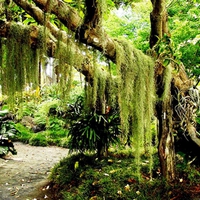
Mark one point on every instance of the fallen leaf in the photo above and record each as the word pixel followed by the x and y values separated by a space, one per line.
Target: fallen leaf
pixel 93 198
pixel 127 187
pixel 138 192
pixel 119 192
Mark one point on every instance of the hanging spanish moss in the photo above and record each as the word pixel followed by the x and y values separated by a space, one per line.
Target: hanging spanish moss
pixel 133 89
pixel 95 87
pixel 135 96
pixel 20 60
pixel 68 57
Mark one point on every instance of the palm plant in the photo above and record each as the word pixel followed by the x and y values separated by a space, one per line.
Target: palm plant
pixel 90 131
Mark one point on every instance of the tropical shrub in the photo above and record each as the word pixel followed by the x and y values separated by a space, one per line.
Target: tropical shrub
pixel 7 132
pixel 90 131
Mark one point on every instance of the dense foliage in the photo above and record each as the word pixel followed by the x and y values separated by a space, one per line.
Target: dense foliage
pixel 90 131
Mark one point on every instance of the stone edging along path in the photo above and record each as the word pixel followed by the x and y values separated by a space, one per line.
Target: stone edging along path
pixel 24 175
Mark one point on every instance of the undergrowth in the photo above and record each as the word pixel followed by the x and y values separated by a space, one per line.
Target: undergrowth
pixel 43 138
pixel 84 177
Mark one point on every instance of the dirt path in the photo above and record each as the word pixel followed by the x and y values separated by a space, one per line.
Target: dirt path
pixel 24 175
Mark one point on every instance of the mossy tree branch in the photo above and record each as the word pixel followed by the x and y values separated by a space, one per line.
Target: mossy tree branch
pixel 71 19
pixel 84 66
pixel 66 14
pixel 38 15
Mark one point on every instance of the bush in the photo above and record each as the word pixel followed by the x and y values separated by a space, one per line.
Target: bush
pixel 24 133
pixel 90 131
pixel 38 139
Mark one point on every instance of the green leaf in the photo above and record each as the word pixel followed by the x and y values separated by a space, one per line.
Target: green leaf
pixel 166 62
pixel 3 150
pixel 3 112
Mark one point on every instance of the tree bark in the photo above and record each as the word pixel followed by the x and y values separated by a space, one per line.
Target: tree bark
pixel 86 31
pixel 193 133
pixel 158 18
pixel 164 107
pixel 67 15
pixel 166 149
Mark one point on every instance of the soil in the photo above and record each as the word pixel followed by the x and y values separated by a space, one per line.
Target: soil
pixel 25 176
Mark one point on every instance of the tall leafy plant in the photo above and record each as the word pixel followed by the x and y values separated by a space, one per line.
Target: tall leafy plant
pixel 7 132
pixel 90 131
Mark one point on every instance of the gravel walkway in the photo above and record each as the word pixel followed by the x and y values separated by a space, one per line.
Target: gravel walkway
pixel 24 176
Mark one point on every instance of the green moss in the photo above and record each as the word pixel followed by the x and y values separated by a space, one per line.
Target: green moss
pixel 20 66
pixel 68 56
pixel 135 95
pixel 132 88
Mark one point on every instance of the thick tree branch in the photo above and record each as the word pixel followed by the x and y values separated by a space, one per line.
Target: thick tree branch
pixel 39 16
pixel 67 15
pixel 86 32
pixel 85 68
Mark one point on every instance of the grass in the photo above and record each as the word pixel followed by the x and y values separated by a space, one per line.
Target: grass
pixel 84 177
pixel 44 138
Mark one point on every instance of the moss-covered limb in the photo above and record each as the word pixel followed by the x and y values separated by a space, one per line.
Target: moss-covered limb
pixel 20 59
pixel 91 37
pixel 24 43
pixel 66 14
pixel 38 15
pixel 36 37
pixel 69 55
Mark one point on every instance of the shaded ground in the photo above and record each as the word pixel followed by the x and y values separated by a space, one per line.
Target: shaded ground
pixel 25 174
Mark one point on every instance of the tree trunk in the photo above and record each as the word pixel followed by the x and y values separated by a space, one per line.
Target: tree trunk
pixel 166 139
pixel 164 107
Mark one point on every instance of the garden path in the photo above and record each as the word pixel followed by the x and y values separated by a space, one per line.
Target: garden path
pixel 25 176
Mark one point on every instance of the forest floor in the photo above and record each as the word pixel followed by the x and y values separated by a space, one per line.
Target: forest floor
pixel 25 176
